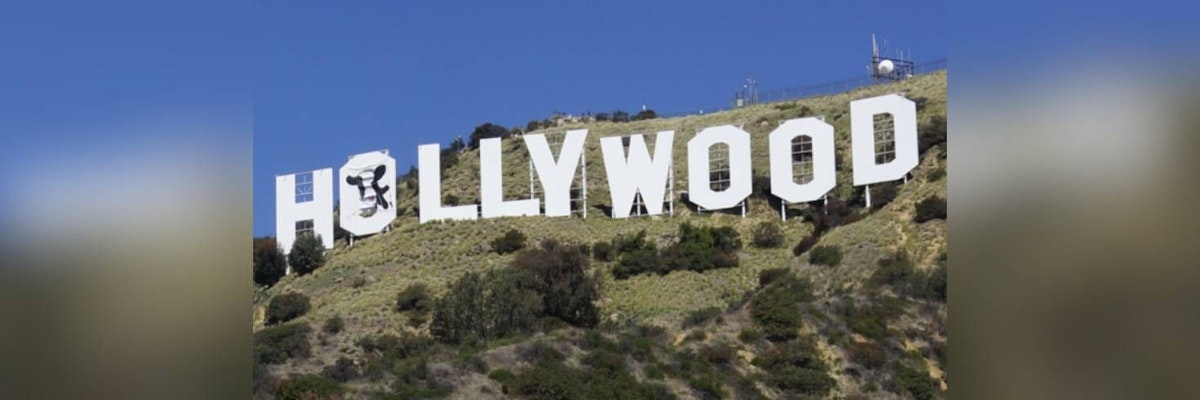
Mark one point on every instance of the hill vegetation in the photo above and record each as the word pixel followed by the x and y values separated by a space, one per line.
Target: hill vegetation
pixel 836 301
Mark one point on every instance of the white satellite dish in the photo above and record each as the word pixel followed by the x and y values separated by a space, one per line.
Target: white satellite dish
pixel 885 67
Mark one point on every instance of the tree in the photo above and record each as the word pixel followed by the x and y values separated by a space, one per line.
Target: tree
pixel 603 117
pixel 485 306
pixel 559 275
pixel 308 254
pixel 645 114
pixel 620 116
pixel 487 131
pixel 269 262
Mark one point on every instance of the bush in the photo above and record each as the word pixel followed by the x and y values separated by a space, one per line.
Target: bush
pixel 916 382
pixel 936 288
pixel 343 370
pixel 931 134
pixel 511 242
pixel 767 276
pixel 627 243
pixel 334 325
pixel 416 298
pixel 829 256
pixel 720 354
pixel 868 355
pixel 394 347
pixel 797 367
pixel 603 251
pixel 308 254
pixel 898 272
pixel 777 307
pixel 930 209
pixel 269 262
pixel 768 235
pixel 825 217
pixel 479 307
pixel 558 274
pixel 277 344
pixel 308 387
pixel 502 375
pixel 805 244
pixel 643 259
pixel 286 307
pixel 884 193
pixel 750 335
pixel 936 174
pixel 644 115
pixel 699 317
pixel 702 248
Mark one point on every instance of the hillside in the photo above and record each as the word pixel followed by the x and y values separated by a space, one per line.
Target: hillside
pixel 360 283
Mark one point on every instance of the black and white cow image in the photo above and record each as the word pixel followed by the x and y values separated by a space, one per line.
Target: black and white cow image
pixel 370 201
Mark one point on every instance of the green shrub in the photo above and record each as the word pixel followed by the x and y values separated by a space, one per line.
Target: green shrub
pixel 558 274
pixel 487 306
pixel 343 370
pixel 750 335
pixel 826 255
pixel 720 354
pixel 699 317
pixel 641 260
pixel 936 174
pixel 938 283
pixel 776 308
pixel 836 213
pixel 804 245
pixel 416 298
pixel 797 367
pixel 898 272
pixel 628 243
pixel 308 387
pixel 603 251
pixel 709 386
pixel 644 115
pixel 334 325
pixel 868 355
pixel 277 344
pixel 308 254
pixel 869 321
pixel 512 241
pixel 916 382
pixel 702 248
pixel 286 307
pixel 930 209
pixel 932 133
pixel 884 193
pixel 767 276
pixel 504 376
pixel 767 234
pixel 269 262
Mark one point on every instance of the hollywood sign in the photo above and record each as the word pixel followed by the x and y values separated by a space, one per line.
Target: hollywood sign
pixel 304 202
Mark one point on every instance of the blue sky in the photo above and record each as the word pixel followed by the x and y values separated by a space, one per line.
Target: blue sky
pixel 317 81
pixel 335 78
